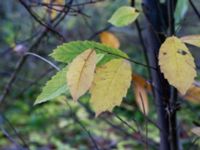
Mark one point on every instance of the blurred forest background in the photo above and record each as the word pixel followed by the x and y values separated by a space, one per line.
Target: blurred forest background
pixel 38 27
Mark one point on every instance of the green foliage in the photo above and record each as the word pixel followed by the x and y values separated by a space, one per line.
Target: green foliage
pixel 52 126
pixel 181 9
pixel 68 51
pixel 123 16
pixel 54 87
pixel 7 30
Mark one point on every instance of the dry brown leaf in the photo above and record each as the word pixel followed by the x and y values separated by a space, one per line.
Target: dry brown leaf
pixel 109 39
pixel 196 131
pixel 193 94
pixel 139 79
pixel 140 86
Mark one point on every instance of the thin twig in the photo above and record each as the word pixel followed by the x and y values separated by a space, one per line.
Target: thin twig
pixel 74 5
pixel 43 59
pixel 73 114
pixel 11 139
pixel 129 59
pixel 124 122
pixel 15 131
pixel 146 122
pixel 195 9
pixel 122 130
pixel 23 58
pixel 40 21
pixel 12 78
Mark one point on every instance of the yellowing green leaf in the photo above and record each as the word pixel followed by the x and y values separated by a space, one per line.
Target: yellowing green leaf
pixel 177 64
pixel 140 86
pixel 110 85
pixel 109 39
pixel 81 73
pixel 193 94
pixel 192 39
pixel 123 16
pixel 68 51
pixel 196 131
pixel 53 88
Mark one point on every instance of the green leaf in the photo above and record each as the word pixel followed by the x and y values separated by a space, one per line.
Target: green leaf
pixel 54 87
pixel 68 51
pixel 180 11
pixel 124 16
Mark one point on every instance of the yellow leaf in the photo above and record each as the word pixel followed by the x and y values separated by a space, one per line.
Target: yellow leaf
pixel 81 72
pixel 193 94
pixel 109 39
pixel 110 85
pixel 140 87
pixel 177 64
pixel 54 7
pixel 192 39
pixel 196 131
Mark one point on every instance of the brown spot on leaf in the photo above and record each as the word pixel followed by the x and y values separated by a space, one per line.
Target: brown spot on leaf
pixel 164 53
pixel 182 52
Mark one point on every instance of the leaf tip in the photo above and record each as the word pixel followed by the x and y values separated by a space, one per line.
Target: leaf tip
pixel 36 102
pixel 75 98
pixel 97 114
